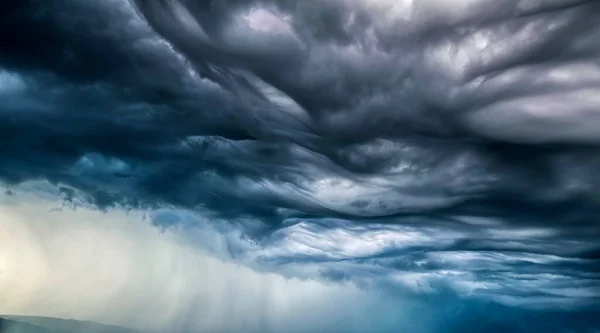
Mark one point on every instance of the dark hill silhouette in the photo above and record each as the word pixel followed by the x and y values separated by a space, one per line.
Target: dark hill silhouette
pixel 30 324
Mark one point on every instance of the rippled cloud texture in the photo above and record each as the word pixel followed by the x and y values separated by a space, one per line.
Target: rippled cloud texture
pixel 117 268
pixel 435 148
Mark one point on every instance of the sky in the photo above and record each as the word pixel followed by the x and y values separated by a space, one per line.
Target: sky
pixel 302 166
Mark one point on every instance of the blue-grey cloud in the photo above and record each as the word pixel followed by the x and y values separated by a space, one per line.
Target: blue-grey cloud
pixel 426 146
pixel 168 280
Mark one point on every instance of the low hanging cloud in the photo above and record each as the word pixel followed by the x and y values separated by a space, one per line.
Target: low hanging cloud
pixel 426 145
pixel 116 268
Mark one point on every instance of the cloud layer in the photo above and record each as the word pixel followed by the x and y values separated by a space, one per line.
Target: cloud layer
pixel 116 268
pixel 426 146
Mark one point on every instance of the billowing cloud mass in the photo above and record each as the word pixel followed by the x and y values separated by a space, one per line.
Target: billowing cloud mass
pixel 422 147
pixel 138 277
pixel 115 267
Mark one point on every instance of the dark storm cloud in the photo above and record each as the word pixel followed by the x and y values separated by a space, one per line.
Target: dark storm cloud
pixel 420 145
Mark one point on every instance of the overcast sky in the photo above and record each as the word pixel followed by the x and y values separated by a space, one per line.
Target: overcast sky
pixel 330 162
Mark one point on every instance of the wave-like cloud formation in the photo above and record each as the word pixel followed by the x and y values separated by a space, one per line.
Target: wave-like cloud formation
pixel 51 265
pixel 432 145
pixel 114 267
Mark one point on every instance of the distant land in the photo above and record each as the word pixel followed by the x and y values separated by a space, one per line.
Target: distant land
pixel 28 324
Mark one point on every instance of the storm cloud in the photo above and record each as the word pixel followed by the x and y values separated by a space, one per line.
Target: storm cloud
pixel 423 146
